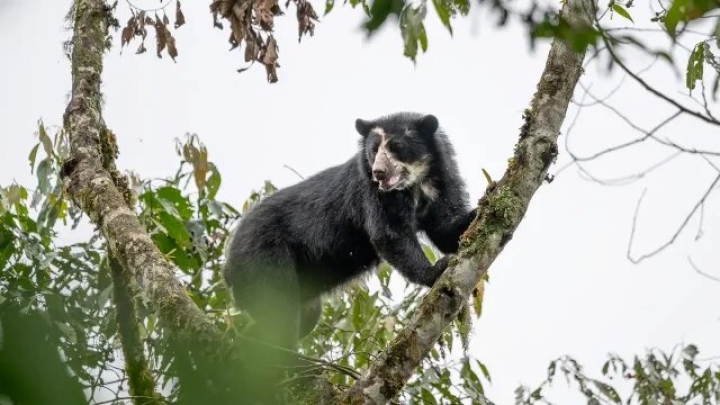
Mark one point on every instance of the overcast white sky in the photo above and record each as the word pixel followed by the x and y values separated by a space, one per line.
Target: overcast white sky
pixel 563 285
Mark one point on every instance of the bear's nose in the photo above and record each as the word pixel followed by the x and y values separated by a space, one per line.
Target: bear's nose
pixel 379 174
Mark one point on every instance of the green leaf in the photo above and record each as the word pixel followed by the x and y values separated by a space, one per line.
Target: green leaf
pixel 621 10
pixel 181 203
pixel 608 391
pixel 423 39
pixel 32 156
pixel 428 397
pixel 429 253
pixel 104 296
pixel 175 228
pixel 329 6
pixel 379 12
pixel 690 351
pixel 605 367
pixel 68 331
pixel 484 370
pixel 213 183
pixel 685 11
pixel 43 175
pixel 45 139
pixel 14 194
pixel 413 30
pixel 695 66
pixel 444 13
pixel 579 38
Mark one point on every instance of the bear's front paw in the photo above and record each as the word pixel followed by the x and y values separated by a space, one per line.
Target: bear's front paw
pixel 439 268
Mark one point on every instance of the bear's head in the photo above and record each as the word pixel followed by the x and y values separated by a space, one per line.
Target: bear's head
pixel 398 148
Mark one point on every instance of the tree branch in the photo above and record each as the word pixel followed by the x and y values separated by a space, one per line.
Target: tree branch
pixel 101 192
pixel 500 212
pixel 140 380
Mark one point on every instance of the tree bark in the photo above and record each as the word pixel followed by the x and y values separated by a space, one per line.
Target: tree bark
pixel 101 192
pixel 500 212
pixel 140 379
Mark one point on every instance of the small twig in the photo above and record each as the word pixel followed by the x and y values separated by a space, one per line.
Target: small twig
pixel 337 367
pixel 679 230
pixel 702 273
pixel 294 171
pixel 148 10
pixel 652 90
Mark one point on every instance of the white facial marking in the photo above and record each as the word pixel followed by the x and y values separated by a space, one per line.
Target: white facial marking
pixel 429 190
pixel 381 133
pixel 417 171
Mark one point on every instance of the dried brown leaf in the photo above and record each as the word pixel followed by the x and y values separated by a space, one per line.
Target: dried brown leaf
pixel 269 59
pixel 251 49
pixel 239 10
pixel 223 7
pixel 238 30
pixel 179 16
pixel 128 32
pixel 170 40
pixel 165 19
pixel 245 68
pixel 141 48
pixel 265 11
pixel 159 36
pixel 305 16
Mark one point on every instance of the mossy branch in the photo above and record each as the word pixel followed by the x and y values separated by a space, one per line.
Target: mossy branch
pixel 140 379
pixel 99 190
pixel 500 212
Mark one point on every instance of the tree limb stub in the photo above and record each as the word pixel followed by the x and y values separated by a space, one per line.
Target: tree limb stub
pixel 93 188
pixel 500 212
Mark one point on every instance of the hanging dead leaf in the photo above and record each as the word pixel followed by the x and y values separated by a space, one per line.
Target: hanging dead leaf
pixel 237 33
pixel 246 67
pixel 269 59
pixel 141 48
pixel 305 17
pixel 159 36
pixel 179 16
pixel 172 49
pixel 265 11
pixel 251 49
pixel 128 32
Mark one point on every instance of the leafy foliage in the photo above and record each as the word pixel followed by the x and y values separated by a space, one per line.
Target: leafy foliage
pixel 674 378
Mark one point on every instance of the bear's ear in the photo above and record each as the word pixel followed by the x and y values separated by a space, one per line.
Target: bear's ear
pixel 427 125
pixel 363 126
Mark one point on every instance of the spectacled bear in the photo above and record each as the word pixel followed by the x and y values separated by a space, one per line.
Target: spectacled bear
pixel 312 237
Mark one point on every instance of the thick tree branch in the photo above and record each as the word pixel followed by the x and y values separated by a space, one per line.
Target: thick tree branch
pixel 99 190
pixel 499 214
pixel 140 381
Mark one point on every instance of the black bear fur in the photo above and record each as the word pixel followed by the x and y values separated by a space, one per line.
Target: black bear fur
pixel 312 237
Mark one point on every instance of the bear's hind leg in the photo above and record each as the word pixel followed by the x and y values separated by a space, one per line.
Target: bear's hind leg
pixel 270 293
pixel 309 316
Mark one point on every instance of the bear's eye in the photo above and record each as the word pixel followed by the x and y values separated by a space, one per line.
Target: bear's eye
pixel 392 146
